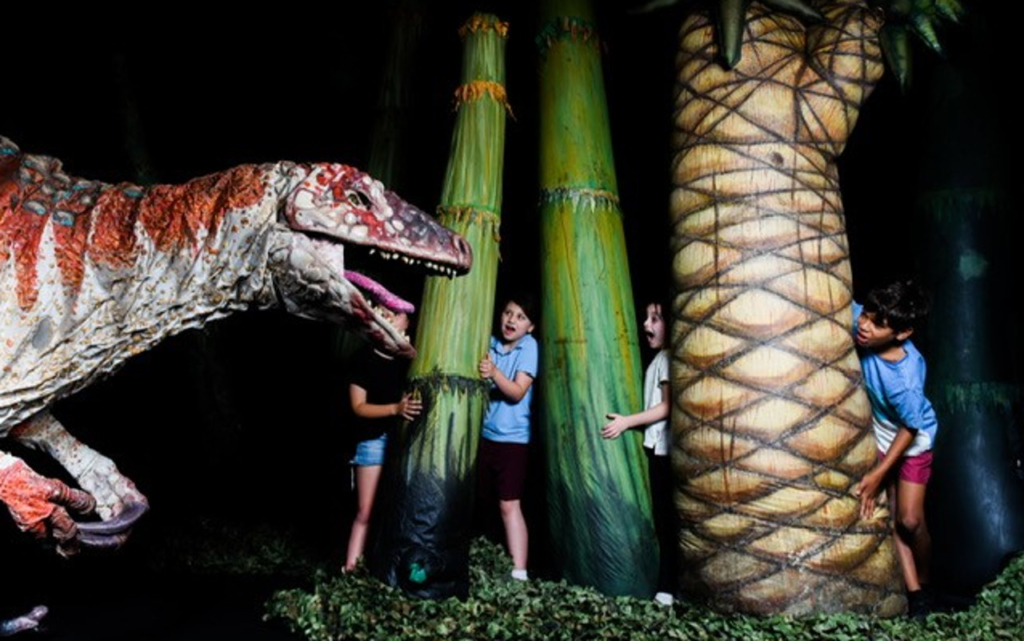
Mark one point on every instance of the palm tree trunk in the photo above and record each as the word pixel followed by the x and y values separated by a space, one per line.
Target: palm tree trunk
pixel 423 541
pixel 598 498
pixel 771 426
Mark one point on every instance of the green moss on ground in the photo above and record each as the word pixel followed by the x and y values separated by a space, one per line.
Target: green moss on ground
pixel 357 606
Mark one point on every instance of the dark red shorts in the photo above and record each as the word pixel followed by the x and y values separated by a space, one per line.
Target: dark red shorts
pixel 502 466
pixel 914 469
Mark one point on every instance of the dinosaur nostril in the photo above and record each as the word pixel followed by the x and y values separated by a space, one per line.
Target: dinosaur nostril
pixel 464 248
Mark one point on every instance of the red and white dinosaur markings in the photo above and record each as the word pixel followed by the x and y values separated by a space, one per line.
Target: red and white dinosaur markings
pixel 92 274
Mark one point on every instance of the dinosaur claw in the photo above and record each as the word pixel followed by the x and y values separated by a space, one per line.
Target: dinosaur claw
pixel 102 541
pixel 117 525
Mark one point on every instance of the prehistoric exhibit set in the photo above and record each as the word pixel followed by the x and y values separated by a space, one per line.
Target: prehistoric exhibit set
pixel 646 320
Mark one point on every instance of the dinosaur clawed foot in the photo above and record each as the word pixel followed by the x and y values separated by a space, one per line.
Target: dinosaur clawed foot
pixel 114 532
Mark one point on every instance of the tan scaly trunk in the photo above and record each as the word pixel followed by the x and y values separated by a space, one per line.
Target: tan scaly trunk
pixel 771 425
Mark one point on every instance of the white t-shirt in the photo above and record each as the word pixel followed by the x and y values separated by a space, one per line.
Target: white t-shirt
pixel 656 435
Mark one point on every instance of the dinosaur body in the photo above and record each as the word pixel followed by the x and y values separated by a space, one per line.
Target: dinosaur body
pixel 92 274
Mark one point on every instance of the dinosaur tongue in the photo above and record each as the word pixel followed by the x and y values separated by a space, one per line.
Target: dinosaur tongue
pixel 379 293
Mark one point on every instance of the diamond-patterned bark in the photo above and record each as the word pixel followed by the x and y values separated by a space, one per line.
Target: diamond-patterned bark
pixel 770 424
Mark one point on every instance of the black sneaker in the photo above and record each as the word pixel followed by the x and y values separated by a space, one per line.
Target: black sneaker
pixel 919 604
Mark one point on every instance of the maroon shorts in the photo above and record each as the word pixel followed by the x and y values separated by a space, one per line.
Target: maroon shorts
pixel 914 469
pixel 502 467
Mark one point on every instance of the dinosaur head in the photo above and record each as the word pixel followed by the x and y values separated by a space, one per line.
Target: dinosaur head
pixel 332 213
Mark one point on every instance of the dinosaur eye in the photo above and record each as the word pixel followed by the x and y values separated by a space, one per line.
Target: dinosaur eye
pixel 358 198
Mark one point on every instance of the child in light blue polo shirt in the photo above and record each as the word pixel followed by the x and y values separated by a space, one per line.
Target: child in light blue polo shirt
pixel 511 365
pixel 904 423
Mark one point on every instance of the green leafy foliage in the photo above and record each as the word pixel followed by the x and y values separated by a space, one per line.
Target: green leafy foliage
pixel 215 547
pixel 356 606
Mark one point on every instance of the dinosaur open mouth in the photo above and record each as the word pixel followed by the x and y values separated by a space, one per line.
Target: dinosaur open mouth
pixel 433 268
pixel 379 295
pixel 381 303
pixel 390 266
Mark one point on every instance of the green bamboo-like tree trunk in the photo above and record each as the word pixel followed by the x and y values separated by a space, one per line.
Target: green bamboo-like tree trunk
pixel 598 498
pixel 423 540
pixel 966 211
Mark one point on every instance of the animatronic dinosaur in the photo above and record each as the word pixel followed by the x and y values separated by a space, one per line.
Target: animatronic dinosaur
pixel 91 274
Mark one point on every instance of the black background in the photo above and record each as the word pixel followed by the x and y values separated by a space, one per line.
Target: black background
pixel 215 90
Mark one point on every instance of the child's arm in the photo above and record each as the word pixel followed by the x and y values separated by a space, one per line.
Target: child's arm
pixel 408 407
pixel 871 484
pixel 620 423
pixel 512 389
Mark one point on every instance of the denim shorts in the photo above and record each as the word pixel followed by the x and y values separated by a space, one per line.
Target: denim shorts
pixel 370 452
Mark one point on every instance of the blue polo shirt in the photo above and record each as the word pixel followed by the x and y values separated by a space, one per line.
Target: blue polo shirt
pixel 897 396
pixel 506 422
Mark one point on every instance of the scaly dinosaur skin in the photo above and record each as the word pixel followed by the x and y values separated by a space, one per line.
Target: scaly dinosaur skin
pixel 92 274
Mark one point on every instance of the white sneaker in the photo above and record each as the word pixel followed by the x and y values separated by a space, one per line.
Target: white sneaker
pixel 520 575
pixel 664 598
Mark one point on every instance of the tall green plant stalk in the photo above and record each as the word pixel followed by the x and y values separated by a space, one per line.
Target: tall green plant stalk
pixel 598 497
pixel 424 535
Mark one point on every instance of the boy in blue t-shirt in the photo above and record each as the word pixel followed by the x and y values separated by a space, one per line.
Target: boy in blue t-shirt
pixel 904 424
pixel 511 365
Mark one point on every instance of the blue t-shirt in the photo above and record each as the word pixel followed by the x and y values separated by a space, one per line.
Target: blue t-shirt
pixel 506 422
pixel 897 396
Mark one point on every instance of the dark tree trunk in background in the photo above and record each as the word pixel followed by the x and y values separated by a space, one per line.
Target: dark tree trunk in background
pixel 395 99
pixel 205 361
pixel 976 498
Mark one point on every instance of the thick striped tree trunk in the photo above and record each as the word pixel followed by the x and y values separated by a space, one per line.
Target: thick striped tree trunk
pixel 598 498
pixel 771 425
pixel 423 536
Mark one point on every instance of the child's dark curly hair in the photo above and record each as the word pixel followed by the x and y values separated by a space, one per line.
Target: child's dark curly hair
pixel 901 305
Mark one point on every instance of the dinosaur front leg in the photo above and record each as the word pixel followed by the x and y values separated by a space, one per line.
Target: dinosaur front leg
pixel 118 502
